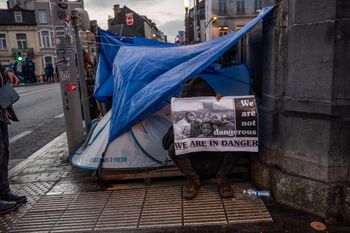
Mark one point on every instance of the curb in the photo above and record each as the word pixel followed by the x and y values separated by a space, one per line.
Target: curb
pixel 19 167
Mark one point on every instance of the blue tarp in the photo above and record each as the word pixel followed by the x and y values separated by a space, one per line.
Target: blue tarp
pixel 109 45
pixel 145 78
pixel 141 146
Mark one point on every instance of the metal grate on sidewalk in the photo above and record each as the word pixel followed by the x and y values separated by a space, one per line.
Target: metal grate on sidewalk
pixel 34 192
pixel 143 208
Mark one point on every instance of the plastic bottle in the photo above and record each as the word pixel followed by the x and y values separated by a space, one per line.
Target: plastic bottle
pixel 256 193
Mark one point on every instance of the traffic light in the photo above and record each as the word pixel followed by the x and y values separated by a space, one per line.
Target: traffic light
pixel 19 57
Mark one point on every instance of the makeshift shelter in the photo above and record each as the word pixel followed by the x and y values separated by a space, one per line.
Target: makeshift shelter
pixel 142 79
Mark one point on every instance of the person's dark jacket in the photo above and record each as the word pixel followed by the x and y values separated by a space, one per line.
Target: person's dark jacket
pixel 11 113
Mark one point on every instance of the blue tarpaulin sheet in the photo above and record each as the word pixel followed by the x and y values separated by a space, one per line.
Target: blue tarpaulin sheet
pixel 109 45
pixel 145 77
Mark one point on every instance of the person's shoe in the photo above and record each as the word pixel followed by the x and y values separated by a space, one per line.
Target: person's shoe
pixel 225 188
pixel 11 196
pixel 191 189
pixel 7 207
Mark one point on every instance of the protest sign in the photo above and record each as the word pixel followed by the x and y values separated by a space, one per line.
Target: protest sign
pixel 205 124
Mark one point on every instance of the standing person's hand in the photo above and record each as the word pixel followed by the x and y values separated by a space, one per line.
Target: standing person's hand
pixel 12 78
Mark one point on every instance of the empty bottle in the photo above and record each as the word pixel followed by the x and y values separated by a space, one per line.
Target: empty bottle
pixel 256 193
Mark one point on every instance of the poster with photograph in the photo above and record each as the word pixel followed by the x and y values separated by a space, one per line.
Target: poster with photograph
pixel 206 124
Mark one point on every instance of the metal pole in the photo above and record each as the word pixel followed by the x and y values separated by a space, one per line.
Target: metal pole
pixel 82 79
pixel 94 28
pixel 187 27
pixel 67 74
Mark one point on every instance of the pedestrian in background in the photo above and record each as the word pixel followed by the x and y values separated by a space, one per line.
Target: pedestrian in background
pixel 8 199
pixel 29 70
pixel 49 73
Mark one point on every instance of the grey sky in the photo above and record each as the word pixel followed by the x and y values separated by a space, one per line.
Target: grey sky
pixel 167 14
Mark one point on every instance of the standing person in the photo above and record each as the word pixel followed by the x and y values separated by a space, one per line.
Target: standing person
pixel 14 67
pixel 25 72
pixel 186 163
pixel 49 73
pixel 57 78
pixel 31 70
pixel 8 200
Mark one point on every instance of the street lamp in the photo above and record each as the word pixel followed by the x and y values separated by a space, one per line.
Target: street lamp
pixel 186 5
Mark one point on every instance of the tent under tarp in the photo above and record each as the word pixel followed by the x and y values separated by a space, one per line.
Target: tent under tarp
pixel 141 81
pixel 141 146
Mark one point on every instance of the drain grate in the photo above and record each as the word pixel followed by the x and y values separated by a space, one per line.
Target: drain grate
pixel 143 208
pixel 33 192
pixel 162 208
pixel 82 213
pixel 242 209
pixel 122 211
pixel 206 209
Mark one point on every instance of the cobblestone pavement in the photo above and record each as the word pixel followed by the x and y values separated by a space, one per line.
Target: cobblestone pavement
pixel 63 199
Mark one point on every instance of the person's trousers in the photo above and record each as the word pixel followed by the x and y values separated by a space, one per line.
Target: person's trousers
pixel 4 158
pixel 184 164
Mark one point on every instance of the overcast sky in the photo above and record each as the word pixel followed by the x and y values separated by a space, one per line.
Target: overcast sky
pixel 167 14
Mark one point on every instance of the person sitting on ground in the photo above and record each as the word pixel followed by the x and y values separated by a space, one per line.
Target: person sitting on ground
pixel 8 199
pixel 187 162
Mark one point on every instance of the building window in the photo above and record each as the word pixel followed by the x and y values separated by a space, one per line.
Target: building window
pixel 45 39
pixel 18 17
pixel 240 7
pixel 222 33
pixel 222 7
pixel 43 16
pixel 21 41
pixel 3 41
pixel 223 30
pixel 258 6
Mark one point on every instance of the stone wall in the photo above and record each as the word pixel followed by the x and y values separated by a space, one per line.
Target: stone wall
pixel 305 113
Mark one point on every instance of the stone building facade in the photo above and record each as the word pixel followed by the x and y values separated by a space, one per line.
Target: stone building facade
pixel 18 35
pixel 46 48
pixel 230 15
pixel 138 25
pixel 304 114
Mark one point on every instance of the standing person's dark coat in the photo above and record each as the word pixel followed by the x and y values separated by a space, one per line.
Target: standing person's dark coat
pixel 8 199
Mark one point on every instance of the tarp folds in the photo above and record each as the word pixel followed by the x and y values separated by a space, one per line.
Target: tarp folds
pixel 109 44
pixel 145 78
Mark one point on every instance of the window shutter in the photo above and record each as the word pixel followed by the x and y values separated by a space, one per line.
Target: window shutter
pixel 40 40
pixel 52 42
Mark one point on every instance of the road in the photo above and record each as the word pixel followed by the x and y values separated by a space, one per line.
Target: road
pixel 40 112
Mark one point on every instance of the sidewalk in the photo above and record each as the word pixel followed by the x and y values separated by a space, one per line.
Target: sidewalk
pixel 65 199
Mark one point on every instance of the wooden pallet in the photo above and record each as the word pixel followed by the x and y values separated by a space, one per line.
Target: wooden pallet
pixel 146 175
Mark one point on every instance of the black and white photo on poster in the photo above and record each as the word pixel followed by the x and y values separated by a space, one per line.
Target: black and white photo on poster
pixel 205 124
